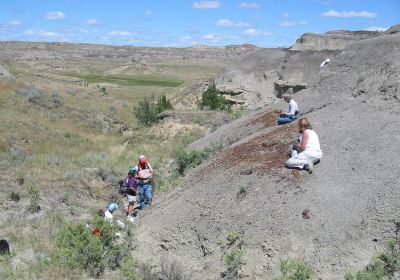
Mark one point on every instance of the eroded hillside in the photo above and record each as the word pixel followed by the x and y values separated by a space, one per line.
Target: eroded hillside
pixel 337 219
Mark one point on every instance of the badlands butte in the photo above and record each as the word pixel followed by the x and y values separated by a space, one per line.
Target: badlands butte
pixel 69 129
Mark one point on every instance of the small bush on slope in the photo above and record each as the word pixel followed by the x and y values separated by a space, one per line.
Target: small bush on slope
pixel 33 199
pixel 295 269
pixel 189 159
pixel 77 247
pixel 233 263
pixel 387 264
pixel 146 112
pixel 212 100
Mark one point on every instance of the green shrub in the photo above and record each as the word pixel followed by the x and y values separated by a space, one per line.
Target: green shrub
pixel 146 271
pixel 242 190
pixel 163 104
pixel 128 271
pixel 232 236
pixel 387 264
pixel 212 100
pixel 174 269
pixel 33 199
pixel 78 247
pixel 233 263
pixel 372 272
pixel 391 257
pixel 189 159
pixel 295 269
pixel 146 112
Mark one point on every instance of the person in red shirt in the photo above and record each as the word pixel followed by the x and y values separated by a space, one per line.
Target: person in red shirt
pixel 144 176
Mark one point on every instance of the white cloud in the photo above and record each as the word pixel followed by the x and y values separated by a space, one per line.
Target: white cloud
pixel 149 13
pixel 350 14
pixel 120 33
pixel 250 31
pixel 207 5
pixel 249 5
pixel 93 21
pixel 42 33
pixel 377 28
pixel 55 15
pixel 285 15
pixel 228 23
pixel 224 22
pixel 218 37
pixel 292 23
pixel 255 32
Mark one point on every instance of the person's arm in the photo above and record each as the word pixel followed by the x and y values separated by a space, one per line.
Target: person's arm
pixel 304 140
pixel 151 170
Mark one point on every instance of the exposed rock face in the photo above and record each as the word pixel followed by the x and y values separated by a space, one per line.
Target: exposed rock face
pixel 282 87
pixel 250 82
pixel 394 29
pixel 333 40
pixel 272 73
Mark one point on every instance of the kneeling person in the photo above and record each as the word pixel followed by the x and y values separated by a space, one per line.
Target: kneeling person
pixel 309 150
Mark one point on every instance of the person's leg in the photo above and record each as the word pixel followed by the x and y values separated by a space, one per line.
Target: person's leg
pixel 285 120
pixel 149 194
pixel 141 192
pixel 131 206
pixel 297 161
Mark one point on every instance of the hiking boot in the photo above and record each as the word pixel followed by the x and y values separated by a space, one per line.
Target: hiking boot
pixel 310 166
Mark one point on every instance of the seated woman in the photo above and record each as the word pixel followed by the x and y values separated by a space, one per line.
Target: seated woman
pixel 293 112
pixel 309 150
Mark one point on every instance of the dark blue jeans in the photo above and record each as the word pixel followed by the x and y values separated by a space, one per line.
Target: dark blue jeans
pixel 283 119
pixel 146 194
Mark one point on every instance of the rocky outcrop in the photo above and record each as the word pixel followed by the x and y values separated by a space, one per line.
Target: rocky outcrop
pixel 394 29
pixel 249 82
pixel 282 87
pixel 333 40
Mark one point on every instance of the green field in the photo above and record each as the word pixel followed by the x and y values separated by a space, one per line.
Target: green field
pixel 126 80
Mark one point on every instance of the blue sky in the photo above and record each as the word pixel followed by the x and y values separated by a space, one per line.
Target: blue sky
pixel 268 23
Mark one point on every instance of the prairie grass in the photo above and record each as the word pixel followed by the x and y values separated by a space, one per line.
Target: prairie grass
pixel 126 80
pixel 61 139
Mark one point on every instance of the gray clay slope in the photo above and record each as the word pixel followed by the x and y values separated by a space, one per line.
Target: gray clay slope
pixel 353 196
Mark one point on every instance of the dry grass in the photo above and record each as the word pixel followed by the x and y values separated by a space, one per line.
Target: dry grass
pixel 59 143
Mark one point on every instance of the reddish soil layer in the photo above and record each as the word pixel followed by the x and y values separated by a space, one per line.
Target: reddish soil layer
pixel 268 119
pixel 264 152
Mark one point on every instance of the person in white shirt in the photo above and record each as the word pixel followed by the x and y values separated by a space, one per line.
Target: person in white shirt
pixel 292 113
pixel 309 151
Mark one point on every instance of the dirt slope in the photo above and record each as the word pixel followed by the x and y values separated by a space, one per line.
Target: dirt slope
pixel 353 196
